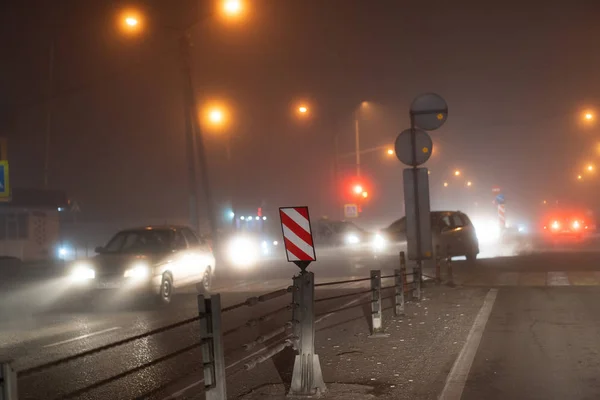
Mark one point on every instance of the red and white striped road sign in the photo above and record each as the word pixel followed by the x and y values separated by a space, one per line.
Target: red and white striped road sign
pixel 502 215
pixel 297 234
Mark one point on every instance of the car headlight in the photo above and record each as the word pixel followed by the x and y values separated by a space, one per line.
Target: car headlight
pixel 243 251
pixel 139 270
pixel 82 273
pixel 352 238
pixel 379 242
pixel 487 231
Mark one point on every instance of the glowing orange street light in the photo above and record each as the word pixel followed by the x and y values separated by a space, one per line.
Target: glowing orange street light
pixel 358 189
pixel 590 168
pixel 469 183
pixel 130 21
pixel 365 195
pixel 232 8
pixel 216 116
pixel 579 177
pixel 445 184
pixel 390 152
pixel 588 116
pixel 302 109
pixel 457 173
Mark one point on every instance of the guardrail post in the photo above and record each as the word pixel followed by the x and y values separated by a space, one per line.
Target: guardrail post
pixel 213 356
pixel 438 269
pixel 406 288
pixel 449 268
pixel 8 381
pixel 307 378
pixel 417 279
pixel 376 308
pixel 399 292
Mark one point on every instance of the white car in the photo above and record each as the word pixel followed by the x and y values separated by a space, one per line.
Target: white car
pixel 150 260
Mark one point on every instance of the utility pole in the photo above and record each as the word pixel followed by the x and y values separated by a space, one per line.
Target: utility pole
pixel 357 145
pixel 195 144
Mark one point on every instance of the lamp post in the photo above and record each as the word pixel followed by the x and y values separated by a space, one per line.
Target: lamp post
pixel 195 146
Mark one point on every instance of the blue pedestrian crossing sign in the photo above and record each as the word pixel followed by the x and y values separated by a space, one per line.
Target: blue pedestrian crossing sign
pixel 500 199
pixel 350 211
pixel 4 181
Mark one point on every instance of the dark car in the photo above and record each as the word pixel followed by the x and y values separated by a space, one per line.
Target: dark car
pixel 452 231
pixel 153 260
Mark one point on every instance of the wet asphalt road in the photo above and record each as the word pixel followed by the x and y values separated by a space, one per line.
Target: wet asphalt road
pixel 537 334
pixel 39 326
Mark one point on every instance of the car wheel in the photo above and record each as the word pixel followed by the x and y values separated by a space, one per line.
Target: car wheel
pixel 166 289
pixel 471 256
pixel 205 285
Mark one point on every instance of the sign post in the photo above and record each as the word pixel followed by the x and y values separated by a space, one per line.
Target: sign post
pixel 307 377
pixel 413 148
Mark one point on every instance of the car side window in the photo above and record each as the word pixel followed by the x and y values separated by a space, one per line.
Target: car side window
pixel 457 221
pixel 445 222
pixel 179 242
pixel 191 237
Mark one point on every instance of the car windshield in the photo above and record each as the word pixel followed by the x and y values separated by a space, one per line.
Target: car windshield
pixel 140 241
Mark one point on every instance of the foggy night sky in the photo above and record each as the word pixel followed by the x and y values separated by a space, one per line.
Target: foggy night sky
pixel 515 75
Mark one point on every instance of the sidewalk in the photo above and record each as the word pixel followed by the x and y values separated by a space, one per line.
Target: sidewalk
pixel 412 363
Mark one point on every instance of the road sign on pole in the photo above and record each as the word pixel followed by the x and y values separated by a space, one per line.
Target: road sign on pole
pixel 4 181
pixel 297 235
pixel 418 220
pixel 350 211
pixel 429 111
pixel 404 148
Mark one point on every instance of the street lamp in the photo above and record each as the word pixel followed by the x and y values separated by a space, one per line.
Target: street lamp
pixel 302 109
pixel 358 189
pixel 457 173
pixel 588 116
pixel 445 184
pixel 469 183
pixel 131 21
pixel 362 106
pixel 579 177
pixel 232 7
pixel 590 168
pixel 390 152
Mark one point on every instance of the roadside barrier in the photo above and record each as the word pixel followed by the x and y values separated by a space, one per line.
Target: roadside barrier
pixel 297 332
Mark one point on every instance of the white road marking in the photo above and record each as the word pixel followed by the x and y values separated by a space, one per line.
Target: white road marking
pixel 456 380
pixel 114 328
pixel 557 278
pixel 194 384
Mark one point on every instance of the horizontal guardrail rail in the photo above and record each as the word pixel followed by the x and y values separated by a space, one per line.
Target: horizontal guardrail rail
pixel 297 332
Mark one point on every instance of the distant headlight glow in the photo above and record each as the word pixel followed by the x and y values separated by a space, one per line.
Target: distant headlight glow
pixel 488 231
pixel 82 272
pixel 379 242
pixel 138 271
pixel 243 251
pixel 352 238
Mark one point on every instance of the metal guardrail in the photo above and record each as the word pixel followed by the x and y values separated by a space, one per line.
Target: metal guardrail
pixel 307 377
